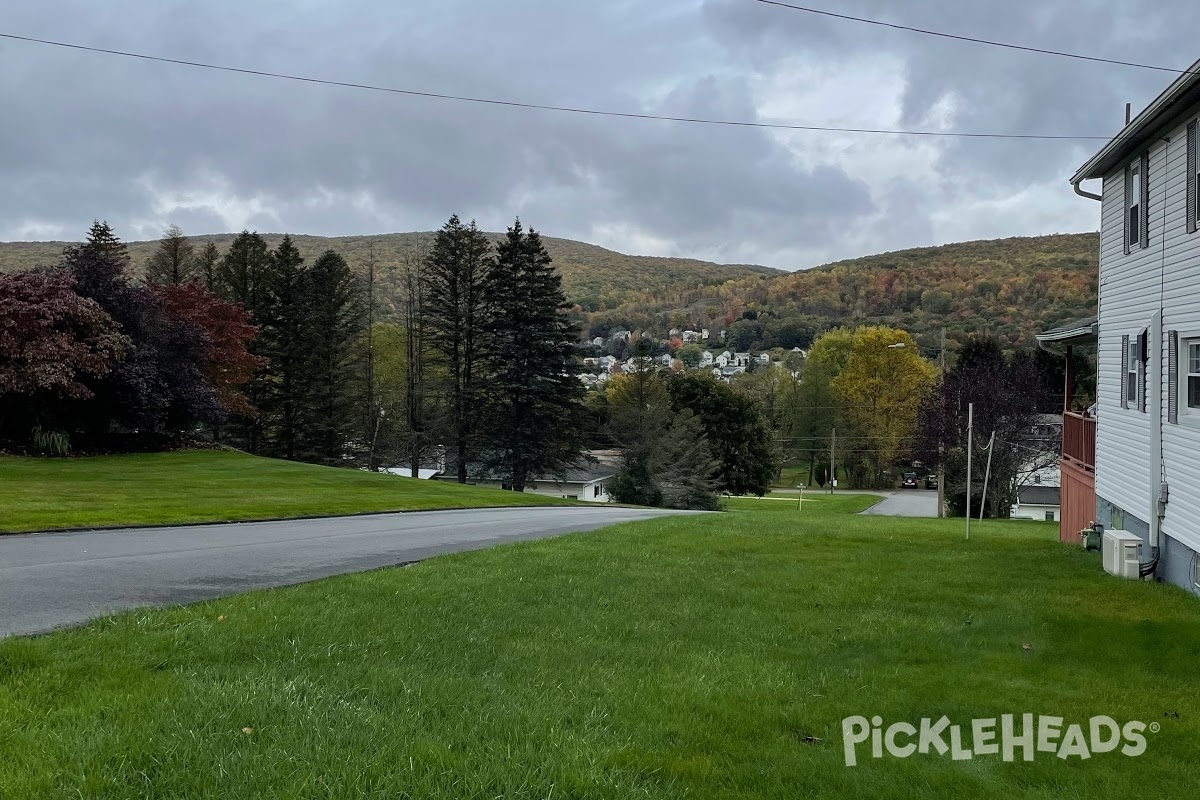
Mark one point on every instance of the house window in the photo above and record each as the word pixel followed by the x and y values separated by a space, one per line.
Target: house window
pixel 1131 375
pixel 1049 516
pixel 1133 201
pixel 1193 374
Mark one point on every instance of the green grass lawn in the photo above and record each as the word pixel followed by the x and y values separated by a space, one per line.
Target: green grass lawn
pixel 209 486
pixel 798 510
pixel 711 656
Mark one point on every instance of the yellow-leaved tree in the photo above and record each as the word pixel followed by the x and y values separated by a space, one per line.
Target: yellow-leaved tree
pixel 881 389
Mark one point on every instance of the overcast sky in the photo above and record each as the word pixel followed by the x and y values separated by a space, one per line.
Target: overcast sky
pixel 144 144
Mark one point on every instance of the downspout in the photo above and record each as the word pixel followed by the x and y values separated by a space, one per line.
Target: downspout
pixel 1084 192
pixel 1156 460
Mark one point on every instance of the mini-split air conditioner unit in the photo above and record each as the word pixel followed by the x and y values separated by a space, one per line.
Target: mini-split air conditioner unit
pixel 1121 551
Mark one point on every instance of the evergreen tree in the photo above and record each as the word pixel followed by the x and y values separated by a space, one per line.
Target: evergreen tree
pixel 174 262
pixel 243 278
pixel 333 311
pixel 283 343
pixel 665 455
pixel 207 264
pixel 535 395
pixel 456 309
pixel 101 241
pixel 242 274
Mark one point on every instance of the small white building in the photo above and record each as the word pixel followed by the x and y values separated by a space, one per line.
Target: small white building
pixel 706 358
pixel 1037 502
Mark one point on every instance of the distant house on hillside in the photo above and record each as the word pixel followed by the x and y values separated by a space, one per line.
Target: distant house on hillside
pixel 706 358
pixel 1147 421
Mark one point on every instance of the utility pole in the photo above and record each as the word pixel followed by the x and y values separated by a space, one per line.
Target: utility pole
pixel 986 475
pixel 833 461
pixel 941 475
pixel 970 432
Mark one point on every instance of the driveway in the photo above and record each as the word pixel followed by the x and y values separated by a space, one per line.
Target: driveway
pixel 911 503
pixel 56 579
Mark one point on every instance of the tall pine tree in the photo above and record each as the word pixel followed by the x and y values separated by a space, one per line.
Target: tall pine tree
pixel 535 396
pixel 242 274
pixel 243 278
pixel 334 312
pixel 456 309
pixel 283 342
pixel 174 262
pixel 208 261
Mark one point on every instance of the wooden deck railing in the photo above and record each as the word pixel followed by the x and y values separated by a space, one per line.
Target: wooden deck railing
pixel 1079 440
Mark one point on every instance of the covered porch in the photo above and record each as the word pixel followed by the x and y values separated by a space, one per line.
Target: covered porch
pixel 1077 465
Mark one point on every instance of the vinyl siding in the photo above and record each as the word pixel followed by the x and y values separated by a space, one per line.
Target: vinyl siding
pixel 1131 289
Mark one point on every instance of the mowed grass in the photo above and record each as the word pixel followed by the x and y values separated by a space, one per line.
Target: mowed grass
pixel 793 505
pixel 710 656
pixel 210 486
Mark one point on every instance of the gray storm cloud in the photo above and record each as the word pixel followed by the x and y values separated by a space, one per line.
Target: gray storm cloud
pixel 145 144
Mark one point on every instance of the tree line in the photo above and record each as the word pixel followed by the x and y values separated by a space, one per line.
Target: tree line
pixel 474 367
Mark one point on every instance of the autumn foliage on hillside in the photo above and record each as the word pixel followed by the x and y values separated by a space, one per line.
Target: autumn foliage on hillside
pixel 1010 288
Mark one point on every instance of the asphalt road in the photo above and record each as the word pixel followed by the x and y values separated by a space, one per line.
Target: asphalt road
pixel 57 579
pixel 907 503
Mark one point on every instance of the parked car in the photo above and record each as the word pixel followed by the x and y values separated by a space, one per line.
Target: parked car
pixel 931 481
pixel 908 480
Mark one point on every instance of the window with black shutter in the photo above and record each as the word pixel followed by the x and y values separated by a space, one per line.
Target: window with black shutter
pixel 1133 196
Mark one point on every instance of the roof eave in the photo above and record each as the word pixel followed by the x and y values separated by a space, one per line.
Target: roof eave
pixel 1183 92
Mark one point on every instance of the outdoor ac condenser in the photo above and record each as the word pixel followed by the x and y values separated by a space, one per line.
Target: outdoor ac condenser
pixel 1122 554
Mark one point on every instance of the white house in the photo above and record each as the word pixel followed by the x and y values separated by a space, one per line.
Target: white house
pixel 1037 502
pixel 706 358
pixel 1147 446
pixel 588 480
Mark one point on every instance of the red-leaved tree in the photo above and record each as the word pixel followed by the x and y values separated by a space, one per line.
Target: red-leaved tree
pixel 51 339
pixel 227 326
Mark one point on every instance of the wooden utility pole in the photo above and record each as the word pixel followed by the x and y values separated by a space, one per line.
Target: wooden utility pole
pixel 941 474
pixel 986 475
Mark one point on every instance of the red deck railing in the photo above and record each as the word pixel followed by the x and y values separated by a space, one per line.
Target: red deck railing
pixel 1079 440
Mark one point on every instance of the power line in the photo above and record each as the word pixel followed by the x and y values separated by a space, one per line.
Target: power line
pixel 975 40
pixel 542 107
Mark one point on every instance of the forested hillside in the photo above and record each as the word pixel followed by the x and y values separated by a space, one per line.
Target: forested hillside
pixel 593 277
pixel 1008 287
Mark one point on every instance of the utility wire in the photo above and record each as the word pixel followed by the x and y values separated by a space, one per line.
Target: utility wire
pixel 975 40
pixel 542 107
